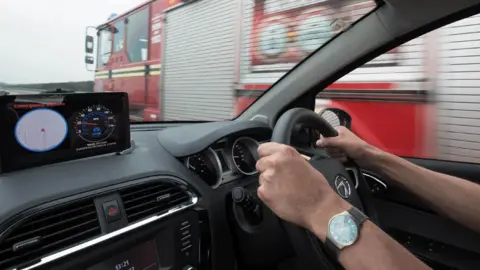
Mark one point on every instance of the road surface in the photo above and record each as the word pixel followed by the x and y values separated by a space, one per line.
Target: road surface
pixel 25 91
pixel 20 91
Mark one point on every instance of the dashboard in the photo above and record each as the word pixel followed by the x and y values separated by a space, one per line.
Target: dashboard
pixel 179 197
pixel 158 171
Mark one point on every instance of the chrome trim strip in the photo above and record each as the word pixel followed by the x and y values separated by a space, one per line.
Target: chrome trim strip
pixel 90 243
pixel 375 179
pixel 220 168
pixel 355 175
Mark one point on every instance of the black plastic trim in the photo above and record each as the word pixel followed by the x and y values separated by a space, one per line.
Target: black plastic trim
pixel 17 220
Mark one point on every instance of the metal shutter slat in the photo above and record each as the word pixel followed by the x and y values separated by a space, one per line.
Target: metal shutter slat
pixel 199 63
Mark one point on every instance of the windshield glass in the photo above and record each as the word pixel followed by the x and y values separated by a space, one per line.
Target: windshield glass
pixel 205 60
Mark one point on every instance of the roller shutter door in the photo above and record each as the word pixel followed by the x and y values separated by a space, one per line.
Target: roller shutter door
pixel 458 91
pixel 199 61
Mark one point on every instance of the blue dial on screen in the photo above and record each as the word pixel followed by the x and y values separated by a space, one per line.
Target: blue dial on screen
pixel 343 230
pixel 94 123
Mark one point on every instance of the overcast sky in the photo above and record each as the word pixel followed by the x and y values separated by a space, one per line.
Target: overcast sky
pixel 43 40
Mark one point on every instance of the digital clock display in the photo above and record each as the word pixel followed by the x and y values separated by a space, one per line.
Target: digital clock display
pixel 141 257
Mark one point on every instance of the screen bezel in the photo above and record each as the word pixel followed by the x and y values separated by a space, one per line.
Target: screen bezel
pixel 122 124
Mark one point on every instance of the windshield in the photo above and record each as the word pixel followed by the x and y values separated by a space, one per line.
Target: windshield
pixel 205 60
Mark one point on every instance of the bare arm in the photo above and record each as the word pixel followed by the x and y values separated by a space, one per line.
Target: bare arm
pixel 298 193
pixel 450 196
pixel 373 250
pixel 376 250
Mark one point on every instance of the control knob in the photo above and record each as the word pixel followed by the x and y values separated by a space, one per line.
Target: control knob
pixel 248 204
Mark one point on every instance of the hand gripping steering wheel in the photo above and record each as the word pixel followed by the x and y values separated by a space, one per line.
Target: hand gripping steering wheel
pixel 307 246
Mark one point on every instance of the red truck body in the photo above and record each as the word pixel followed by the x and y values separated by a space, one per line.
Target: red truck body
pixel 141 78
pixel 190 67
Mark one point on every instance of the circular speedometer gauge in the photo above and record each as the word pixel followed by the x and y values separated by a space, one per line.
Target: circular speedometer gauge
pixel 94 123
pixel 207 166
pixel 245 155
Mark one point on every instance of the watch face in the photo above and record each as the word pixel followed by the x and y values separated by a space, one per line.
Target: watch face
pixel 343 230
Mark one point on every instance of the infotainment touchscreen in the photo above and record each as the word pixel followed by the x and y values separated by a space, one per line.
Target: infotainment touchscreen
pixel 47 128
pixel 141 257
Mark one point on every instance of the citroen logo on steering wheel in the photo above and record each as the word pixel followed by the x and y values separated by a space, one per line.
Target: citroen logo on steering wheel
pixel 343 186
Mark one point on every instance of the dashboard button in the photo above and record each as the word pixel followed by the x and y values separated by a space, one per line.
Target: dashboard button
pixel 111 211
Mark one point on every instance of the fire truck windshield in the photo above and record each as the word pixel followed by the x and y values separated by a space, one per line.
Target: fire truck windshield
pixel 204 60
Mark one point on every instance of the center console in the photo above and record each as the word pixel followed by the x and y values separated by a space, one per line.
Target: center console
pixel 179 242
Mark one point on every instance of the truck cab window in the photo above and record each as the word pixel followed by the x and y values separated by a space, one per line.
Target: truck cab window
pixel 104 47
pixel 137 36
pixel 119 36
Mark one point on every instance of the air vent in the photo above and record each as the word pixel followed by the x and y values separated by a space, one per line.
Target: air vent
pixel 152 198
pixel 48 231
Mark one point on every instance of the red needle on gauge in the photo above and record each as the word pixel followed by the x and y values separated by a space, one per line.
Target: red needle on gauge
pixel 87 123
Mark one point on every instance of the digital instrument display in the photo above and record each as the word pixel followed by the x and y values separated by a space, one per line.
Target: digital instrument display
pixel 47 128
pixel 142 257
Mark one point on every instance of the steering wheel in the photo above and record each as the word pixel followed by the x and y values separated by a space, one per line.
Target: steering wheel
pixel 307 246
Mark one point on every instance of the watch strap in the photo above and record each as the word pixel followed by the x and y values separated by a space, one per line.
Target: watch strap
pixel 331 248
pixel 359 217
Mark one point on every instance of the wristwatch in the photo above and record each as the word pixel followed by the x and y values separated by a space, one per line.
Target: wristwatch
pixel 343 230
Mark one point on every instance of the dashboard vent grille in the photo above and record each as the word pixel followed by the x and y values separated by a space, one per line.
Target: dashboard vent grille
pixel 50 230
pixel 152 198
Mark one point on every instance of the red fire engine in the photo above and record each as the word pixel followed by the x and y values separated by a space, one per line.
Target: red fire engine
pixel 210 59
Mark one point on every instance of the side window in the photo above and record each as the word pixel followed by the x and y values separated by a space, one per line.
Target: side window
pixel 421 99
pixel 119 37
pixel 104 47
pixel 137 36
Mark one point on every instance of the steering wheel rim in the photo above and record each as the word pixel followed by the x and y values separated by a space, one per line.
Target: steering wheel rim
pixel 304 242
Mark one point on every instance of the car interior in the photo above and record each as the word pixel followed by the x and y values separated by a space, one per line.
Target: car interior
pixel 183 195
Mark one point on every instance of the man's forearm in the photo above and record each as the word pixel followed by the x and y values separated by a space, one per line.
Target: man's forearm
pixel 450 196
pixel 374 249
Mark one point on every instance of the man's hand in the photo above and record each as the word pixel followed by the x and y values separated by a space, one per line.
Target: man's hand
pixel 347 144
pixel 298 193
pixel 294 190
